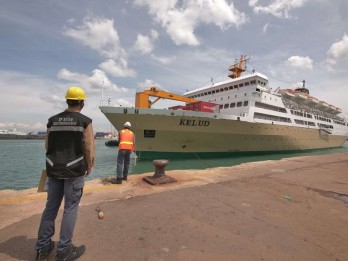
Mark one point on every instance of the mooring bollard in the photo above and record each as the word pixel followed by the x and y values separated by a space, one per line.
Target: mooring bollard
pixel 159 167
pixel 159 177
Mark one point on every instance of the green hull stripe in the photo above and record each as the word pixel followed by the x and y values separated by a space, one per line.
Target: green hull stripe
pixel 152 155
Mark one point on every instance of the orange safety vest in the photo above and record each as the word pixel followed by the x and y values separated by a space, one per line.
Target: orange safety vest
pixel 126 138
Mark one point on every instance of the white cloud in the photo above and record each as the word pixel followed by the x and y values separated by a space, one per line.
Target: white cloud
pixel 24 127
pixel 119 69
pixel 278 8
pixel 147 84
pixel 91 84
pixel 99 34
pixel 23 91
pixel 301 62
pixel 181 21
pixel 145 44
pixel 123 102
pixel 338 51
pixel 162 59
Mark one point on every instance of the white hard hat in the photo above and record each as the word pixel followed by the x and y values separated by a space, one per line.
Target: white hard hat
pixel 127 125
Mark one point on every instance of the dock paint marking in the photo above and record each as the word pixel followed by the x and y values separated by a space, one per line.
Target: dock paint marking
pixel 26 198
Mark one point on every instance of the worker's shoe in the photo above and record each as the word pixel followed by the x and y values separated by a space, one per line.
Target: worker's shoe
pixel 125 178
pixel 72 253
pixel 43 253
pixel 117 181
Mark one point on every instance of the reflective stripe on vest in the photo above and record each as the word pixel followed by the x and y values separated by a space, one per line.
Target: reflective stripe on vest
pixel 74 161
pixel 126 142
pixel 66 128
pixel 49 162
pixel 68 164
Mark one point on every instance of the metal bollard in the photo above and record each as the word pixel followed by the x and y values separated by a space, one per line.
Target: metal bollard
pixel 159 177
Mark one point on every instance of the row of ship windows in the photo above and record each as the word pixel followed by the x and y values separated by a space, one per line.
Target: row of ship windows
pixel 310 123
pixel 263 116
pixel 234 104
pixel 257 104
pixel 214 100
pixel 236 86
pixel 322 118
pixel 269 107
pixel 340 123
pixel 307 115
pixel 283 110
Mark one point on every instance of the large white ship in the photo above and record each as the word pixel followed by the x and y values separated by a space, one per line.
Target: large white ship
pixel 241 114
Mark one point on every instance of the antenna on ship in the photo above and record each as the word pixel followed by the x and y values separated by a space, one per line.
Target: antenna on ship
pixel 238 67
pixel 102 95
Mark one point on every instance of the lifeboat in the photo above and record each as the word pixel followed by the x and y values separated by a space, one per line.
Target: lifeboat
pixel 332 108
pixel 288 93
pixel 311 101
pixel 300 96
pixel 335 110
pixel 324 106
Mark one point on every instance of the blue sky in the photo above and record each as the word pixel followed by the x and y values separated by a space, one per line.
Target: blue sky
pixel 123 46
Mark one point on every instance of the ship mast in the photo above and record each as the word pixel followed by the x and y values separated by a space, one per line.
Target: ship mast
pixel 238 67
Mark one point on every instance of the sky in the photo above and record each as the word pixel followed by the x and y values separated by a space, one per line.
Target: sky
pixel 114 48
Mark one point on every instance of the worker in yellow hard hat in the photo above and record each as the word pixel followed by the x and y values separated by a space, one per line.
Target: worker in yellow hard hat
pixel 70 152
pixel 75 93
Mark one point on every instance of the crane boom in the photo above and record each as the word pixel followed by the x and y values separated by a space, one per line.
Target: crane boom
pixel 142 98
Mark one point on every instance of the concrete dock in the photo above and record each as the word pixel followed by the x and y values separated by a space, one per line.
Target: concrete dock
pixel 289 209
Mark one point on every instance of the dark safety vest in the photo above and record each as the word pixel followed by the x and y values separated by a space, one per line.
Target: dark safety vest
pixel 65 151
pixel 126 138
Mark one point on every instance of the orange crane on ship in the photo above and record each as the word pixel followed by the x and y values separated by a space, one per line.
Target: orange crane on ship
pixel 142 98
pixel 238 67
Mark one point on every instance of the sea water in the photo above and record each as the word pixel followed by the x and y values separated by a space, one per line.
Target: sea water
pixel 22 161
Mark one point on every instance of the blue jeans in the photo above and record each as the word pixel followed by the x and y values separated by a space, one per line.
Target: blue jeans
pixel 123 160
pixel 71 190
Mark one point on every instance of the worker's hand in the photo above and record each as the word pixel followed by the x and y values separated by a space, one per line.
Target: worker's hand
pixel 88 171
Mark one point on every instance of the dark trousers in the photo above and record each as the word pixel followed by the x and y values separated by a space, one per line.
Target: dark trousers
pixel 71 190
pixel 123 160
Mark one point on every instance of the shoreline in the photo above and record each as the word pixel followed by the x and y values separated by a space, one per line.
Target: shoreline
pixel 221 171
pixel 185 179
pixel 26 176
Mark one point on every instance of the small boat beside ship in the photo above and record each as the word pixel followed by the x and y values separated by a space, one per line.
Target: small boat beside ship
pixel 111 138
pixel 241 114
pixel 112 143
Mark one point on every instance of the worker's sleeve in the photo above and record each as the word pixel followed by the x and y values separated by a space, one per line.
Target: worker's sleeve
pixel 89 146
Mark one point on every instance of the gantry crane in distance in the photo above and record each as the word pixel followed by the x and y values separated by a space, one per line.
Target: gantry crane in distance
pixel 142 98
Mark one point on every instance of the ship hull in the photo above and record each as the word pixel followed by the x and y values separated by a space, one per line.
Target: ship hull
pixel 188 134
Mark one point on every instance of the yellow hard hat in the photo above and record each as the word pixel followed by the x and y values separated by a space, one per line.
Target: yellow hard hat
pixel 75 93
